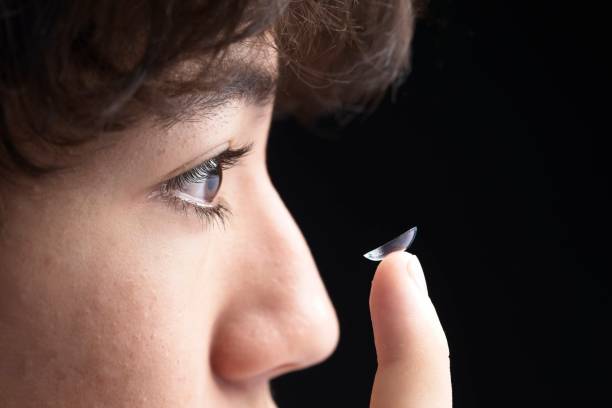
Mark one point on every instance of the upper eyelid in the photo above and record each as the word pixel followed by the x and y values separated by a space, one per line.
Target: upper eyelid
pixel 226 159
pixel 233 156
pixel 185 167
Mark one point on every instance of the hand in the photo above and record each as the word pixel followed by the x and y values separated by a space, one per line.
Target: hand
pixel 412 351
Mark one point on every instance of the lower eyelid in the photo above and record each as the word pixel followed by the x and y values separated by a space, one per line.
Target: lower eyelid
pixel 219 213
pixel 174 197
pixel 190 199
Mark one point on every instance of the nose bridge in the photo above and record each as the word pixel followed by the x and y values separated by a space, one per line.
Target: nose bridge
pixel 281 318
pixel 284 260
pixel 282 236
pixel 270 235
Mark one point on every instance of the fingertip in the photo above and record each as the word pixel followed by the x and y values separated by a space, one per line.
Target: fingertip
pixel 393 300
pixel 402 313
pixel 391 273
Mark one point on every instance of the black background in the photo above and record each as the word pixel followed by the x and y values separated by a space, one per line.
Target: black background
pixel 495 147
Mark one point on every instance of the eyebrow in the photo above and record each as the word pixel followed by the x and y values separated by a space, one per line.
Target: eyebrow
pixel 253 84
pixel 250 83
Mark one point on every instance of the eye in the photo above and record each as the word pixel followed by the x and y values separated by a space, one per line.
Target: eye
pixel 197 188
pixel 206 190
pixel 200 185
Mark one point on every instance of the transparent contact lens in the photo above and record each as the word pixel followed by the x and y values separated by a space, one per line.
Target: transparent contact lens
pixel 400 243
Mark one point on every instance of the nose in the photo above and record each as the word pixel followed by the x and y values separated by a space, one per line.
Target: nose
pixel 277 316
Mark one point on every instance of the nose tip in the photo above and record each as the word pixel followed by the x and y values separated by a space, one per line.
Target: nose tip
pixel 264 343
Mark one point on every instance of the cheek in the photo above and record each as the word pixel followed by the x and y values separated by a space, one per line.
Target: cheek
pixel 105 309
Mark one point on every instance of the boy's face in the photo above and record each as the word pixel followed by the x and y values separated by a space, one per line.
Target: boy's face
pixel 111 297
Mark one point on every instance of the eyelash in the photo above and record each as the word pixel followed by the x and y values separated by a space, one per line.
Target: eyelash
pixel 207 214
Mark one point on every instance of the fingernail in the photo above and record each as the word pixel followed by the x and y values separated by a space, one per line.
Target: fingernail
pixel 416 272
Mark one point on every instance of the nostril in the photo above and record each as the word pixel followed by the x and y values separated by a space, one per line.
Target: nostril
pixel 277 371
pixel 281 369
pixel 268 375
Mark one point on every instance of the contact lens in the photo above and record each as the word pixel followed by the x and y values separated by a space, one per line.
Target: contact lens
pixel 400 243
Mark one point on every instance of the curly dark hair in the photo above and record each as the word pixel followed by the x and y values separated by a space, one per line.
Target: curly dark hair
pixel 71 70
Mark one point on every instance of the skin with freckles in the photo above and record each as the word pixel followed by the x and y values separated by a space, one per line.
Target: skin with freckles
pixel 110 297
